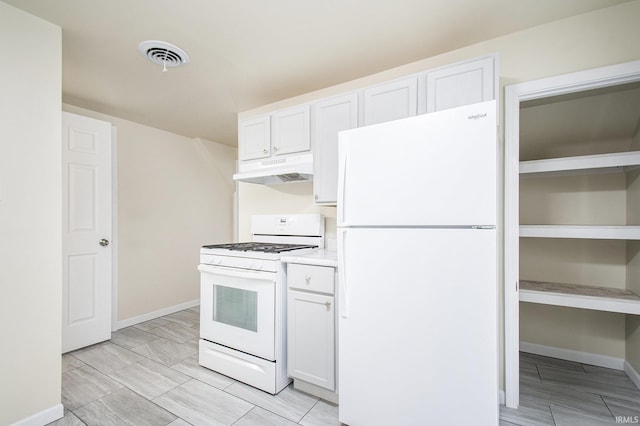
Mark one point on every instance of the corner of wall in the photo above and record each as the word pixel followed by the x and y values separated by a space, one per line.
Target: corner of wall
pixel 30 212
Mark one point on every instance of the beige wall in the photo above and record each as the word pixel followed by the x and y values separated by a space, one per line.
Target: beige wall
pixel 582 42
pixel 30 221
pixel 174 194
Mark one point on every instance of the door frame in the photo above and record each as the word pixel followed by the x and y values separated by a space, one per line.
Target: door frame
pixel 114 228
pixel 613 75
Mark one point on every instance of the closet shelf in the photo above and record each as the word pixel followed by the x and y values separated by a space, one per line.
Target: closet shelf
pixel 628 232
pixel 586 164
pixel 580 296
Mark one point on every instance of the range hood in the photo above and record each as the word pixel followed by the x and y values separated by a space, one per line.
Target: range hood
pixel 273 171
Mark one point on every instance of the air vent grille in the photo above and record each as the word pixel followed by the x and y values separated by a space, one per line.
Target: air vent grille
pixel 163 53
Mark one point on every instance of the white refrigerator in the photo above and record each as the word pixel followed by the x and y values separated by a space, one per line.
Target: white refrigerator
pixel 417 253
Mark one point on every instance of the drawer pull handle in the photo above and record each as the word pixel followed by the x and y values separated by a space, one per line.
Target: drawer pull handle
pixel 307 279
pixel 328 305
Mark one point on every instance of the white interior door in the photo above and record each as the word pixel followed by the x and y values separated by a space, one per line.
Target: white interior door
pixel 86 231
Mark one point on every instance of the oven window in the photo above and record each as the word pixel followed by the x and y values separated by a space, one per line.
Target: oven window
pixel 236 307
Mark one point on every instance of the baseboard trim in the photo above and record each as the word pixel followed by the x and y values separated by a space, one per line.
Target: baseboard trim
pixel 44 417
pixel 157 314
pixel 632 373
pixel 576 356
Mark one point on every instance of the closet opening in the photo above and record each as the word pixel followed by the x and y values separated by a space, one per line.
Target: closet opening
pixel 572 222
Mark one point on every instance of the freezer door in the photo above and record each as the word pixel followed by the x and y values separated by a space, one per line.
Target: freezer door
pixel 434 169
pixel 418 327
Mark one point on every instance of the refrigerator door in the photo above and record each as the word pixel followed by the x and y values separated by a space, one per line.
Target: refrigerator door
pixel 434 169
pixel 418 327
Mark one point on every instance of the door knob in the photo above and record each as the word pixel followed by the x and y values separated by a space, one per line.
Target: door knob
pixel 104 242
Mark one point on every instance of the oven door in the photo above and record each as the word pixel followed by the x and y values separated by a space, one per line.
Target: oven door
pixel 237 309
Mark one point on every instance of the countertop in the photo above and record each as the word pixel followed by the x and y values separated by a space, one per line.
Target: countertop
pixel 320 257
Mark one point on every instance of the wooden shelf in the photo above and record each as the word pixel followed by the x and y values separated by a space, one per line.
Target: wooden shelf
pixel 586 164
pixel 580 296
pixel 598 232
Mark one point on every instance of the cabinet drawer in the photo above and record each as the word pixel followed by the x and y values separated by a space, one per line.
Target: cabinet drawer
pixel 311 277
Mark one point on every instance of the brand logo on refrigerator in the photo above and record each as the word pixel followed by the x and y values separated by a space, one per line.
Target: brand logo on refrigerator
pixel 477 116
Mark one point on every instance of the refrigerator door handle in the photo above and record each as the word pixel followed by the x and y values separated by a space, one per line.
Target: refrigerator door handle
pixel 342 181
pixel 343 296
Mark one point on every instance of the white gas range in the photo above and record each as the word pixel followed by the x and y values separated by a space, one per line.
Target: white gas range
pixel 243 299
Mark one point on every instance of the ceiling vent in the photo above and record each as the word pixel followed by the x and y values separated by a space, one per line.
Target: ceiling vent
pixel 163 53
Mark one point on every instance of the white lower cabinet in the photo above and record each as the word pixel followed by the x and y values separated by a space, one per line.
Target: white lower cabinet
pixel 311 329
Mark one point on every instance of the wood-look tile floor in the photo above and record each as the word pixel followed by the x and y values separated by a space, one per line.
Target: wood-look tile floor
pixel 148 374
pixel 565 393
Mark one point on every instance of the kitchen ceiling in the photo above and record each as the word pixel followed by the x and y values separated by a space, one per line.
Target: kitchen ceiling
pixel 247 53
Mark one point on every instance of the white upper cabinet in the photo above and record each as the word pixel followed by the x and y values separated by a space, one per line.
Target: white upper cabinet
pixel 291 130
pixel 289 133
pixel 391 101
pixel 254 138
pixel 461 84
pixel 330 117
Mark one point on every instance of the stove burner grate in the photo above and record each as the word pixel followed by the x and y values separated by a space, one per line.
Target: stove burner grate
pixel 261 247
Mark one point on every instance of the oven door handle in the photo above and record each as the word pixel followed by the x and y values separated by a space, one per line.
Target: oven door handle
pixel 237 273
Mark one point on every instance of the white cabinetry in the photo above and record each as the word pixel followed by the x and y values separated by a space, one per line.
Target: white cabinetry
pixel 391 101
pixel 311 328
pixel 330 117
pixel 254 138
pixel 284 137
pixel 291 130
pixel 461 84
pixel 283 132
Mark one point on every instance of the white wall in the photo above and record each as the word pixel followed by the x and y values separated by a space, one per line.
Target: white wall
pixel 582 42
pixel 174 195
pixel 30 218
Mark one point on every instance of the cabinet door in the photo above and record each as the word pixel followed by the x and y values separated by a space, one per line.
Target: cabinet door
pixel 329 118
pixel 461 84
pixel 291 130
pixel 392 101
pixel 311 338
pixel 254 138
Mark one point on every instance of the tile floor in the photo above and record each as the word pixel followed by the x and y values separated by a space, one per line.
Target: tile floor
pixel 148 374
pixel 565 393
